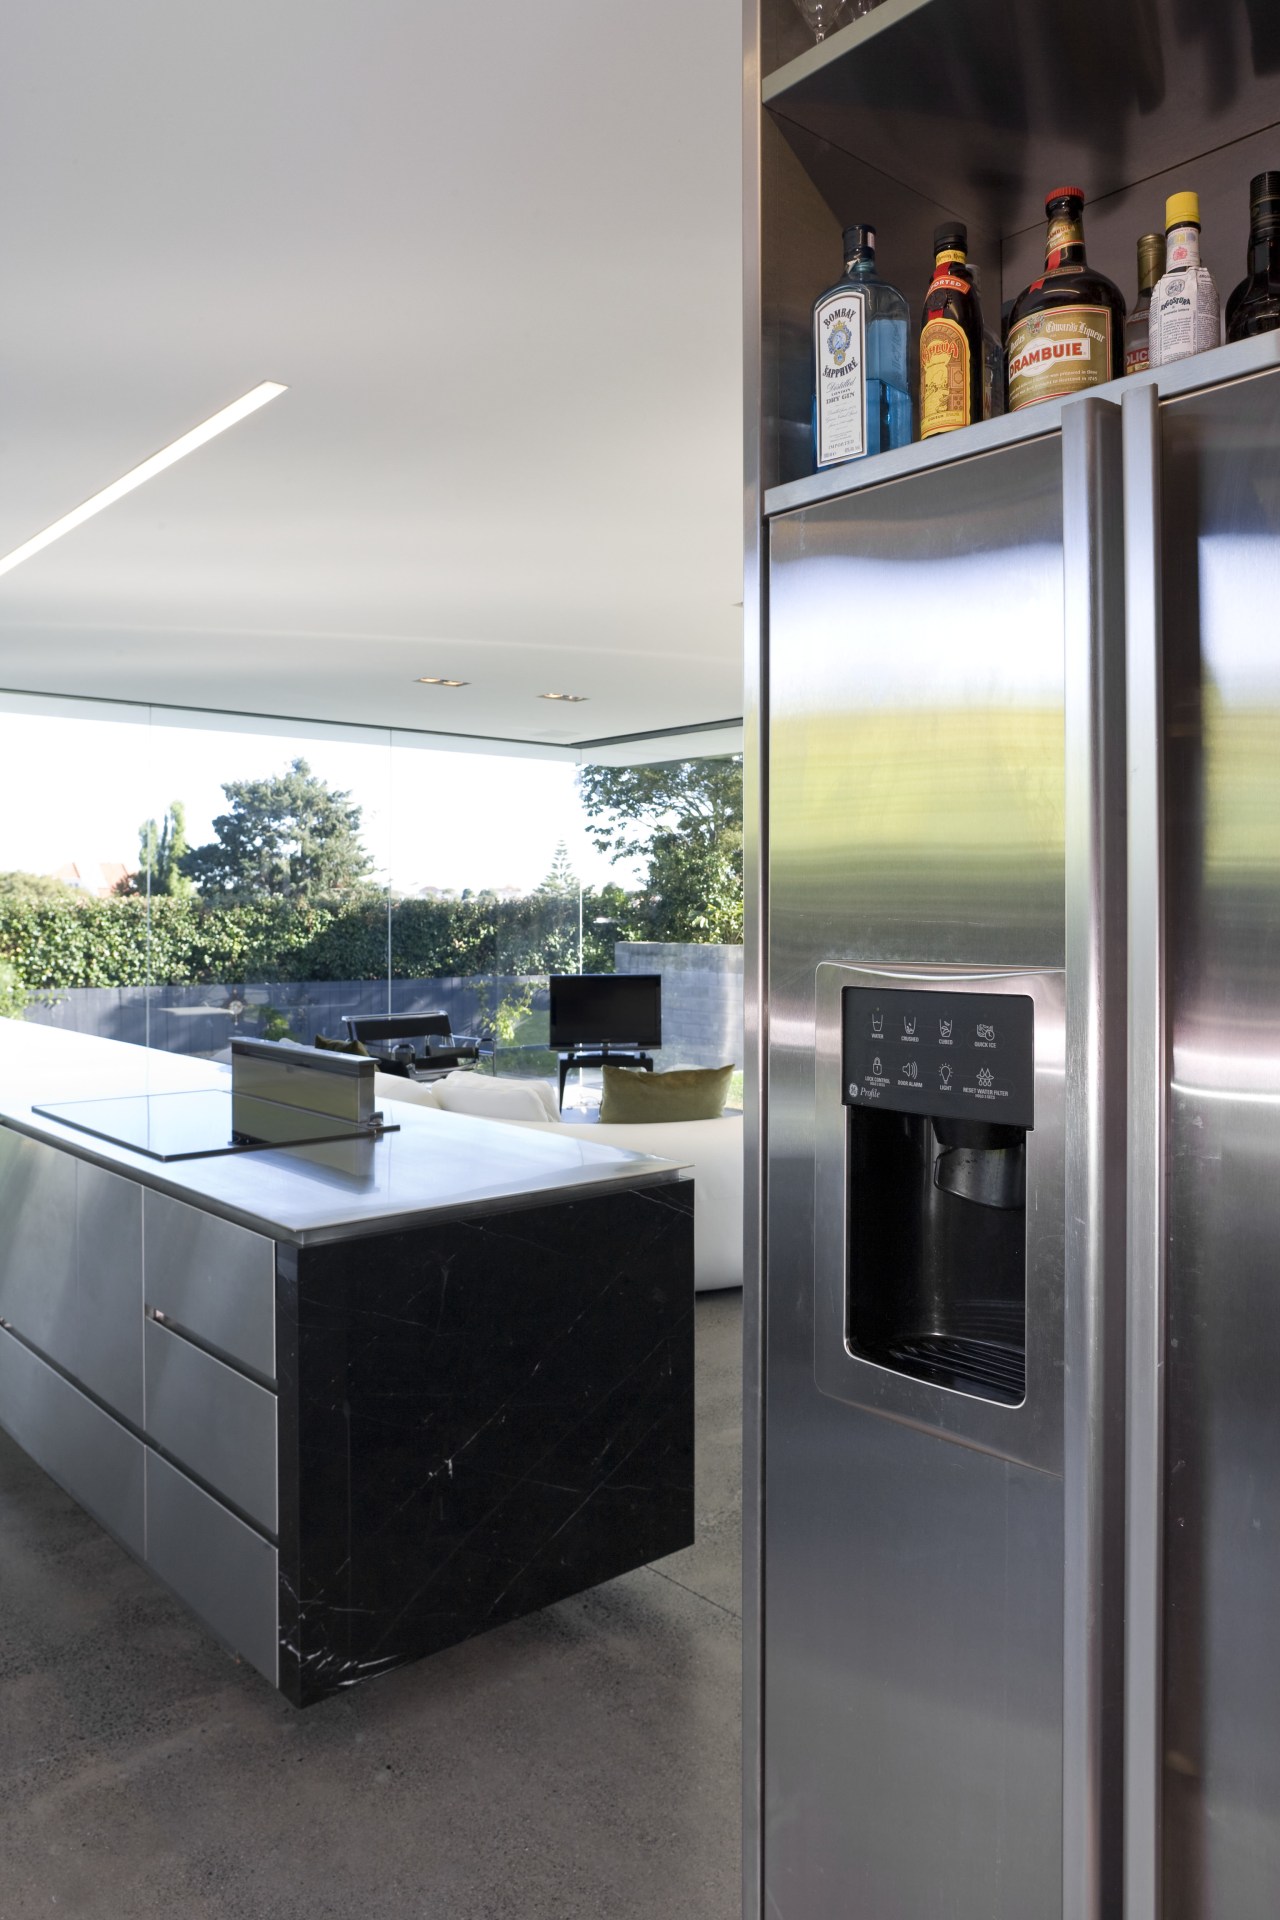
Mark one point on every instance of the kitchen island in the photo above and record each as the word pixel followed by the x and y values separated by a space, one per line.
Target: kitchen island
pixel 353 1402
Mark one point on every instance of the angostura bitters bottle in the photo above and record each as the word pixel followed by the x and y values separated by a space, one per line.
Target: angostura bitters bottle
pixel 1186 313
pixel 1066 331
pixel 950 339
pixel 862 401
pixel 1254 307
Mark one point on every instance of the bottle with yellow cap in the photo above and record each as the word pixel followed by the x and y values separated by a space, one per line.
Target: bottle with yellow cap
pixel 1186 313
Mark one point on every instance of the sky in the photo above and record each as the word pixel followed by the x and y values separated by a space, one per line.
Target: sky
pixel 74 789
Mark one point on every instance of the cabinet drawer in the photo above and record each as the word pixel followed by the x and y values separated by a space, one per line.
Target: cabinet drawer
pixel 105 1349
pixel 214 1279
pixel 225 1572
pixel 37 1240
pixel 219 1424
pixel 77 1444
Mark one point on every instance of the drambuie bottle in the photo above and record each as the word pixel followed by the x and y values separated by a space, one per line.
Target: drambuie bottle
pixel 950 339
pixel 1066 332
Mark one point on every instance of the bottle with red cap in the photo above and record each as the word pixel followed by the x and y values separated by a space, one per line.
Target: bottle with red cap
pixel 1066 331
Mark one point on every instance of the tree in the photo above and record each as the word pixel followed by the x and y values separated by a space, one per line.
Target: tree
pixel 14 997
pixel 561 880
pixel 35 887
pixel 288 837
pixel 683 818
pixel 163 849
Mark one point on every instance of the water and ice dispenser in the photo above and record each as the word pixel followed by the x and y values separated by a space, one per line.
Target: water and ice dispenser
pixel 940 1091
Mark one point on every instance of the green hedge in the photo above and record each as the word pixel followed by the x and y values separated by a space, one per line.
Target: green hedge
pixel 107 943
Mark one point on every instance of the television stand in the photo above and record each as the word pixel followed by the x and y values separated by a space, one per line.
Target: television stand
pixel 600 1057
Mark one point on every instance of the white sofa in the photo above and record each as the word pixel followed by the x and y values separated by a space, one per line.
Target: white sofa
pixel 713 1148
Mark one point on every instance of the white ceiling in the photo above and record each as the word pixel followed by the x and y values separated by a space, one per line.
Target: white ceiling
pixel 494 252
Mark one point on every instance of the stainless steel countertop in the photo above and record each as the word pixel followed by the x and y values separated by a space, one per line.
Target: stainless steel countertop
pixel 439 1166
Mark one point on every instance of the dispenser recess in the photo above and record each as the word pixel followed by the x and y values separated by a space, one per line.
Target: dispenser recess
pixel 940 1089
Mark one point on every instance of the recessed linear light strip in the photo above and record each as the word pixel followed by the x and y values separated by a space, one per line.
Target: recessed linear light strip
pixel 176 450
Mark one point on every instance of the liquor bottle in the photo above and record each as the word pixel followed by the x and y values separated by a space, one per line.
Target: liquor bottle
pixel 1137 356
pixel 861 402
pixel 1254 307
pixel 1066 330
pixel 1186 314
pixel 950 339
pixel 992 358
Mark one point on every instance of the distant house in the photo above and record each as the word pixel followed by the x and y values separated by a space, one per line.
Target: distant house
pixel 100 877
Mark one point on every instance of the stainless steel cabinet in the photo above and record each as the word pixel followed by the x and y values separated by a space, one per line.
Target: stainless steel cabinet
pixel 37 1237
pixel 214 1420
pixel 212 1279
pixel 71 1267
pixel 78 1445
pixel 225 1572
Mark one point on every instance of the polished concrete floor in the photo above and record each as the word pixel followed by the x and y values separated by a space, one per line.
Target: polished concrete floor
pixel 583 1762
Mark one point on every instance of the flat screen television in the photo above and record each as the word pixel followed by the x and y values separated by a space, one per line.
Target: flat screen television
pixel 606 1009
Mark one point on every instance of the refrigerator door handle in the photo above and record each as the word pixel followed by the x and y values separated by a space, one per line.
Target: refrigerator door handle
pixel 1094 1268
pixel 1148 1125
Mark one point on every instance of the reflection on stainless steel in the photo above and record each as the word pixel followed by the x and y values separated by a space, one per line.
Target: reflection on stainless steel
pixel 1221 1754
pixel 912 1587
pixel 340 1084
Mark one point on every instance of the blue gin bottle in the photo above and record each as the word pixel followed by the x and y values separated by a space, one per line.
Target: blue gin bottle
pixel 861 400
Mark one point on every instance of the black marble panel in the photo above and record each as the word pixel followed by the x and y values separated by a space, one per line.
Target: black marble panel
pixel 477 1419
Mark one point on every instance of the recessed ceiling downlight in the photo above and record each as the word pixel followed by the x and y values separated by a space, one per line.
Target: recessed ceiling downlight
pixel 437 680
pixel 575 698
pixel 176 450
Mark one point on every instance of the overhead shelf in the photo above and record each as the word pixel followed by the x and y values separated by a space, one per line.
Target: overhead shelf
pixel 986 103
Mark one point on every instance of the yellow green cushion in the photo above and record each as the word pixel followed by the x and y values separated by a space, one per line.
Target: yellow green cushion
pixel 340 1046
pixel 685 1093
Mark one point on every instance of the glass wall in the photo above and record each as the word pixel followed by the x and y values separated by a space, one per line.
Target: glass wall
pixel 176 879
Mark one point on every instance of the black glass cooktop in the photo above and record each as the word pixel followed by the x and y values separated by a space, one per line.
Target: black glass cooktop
pixel 193 1126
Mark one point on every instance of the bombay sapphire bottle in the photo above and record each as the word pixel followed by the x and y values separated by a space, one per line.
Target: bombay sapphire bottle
pixel 862 403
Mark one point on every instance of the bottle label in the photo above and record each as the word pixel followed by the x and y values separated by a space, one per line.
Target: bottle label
pixel 944 377
pixel 1182 249
pixel 1063 233
pixel 950 282
pixel 1137 359
pixel 949 257
pixel 1061 351
pixel 839 347
pixel 1186 317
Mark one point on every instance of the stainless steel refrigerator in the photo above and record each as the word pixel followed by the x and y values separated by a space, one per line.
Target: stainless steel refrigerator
pixel 1019 1426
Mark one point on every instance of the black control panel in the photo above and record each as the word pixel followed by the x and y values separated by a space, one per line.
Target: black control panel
pixel 962 1056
